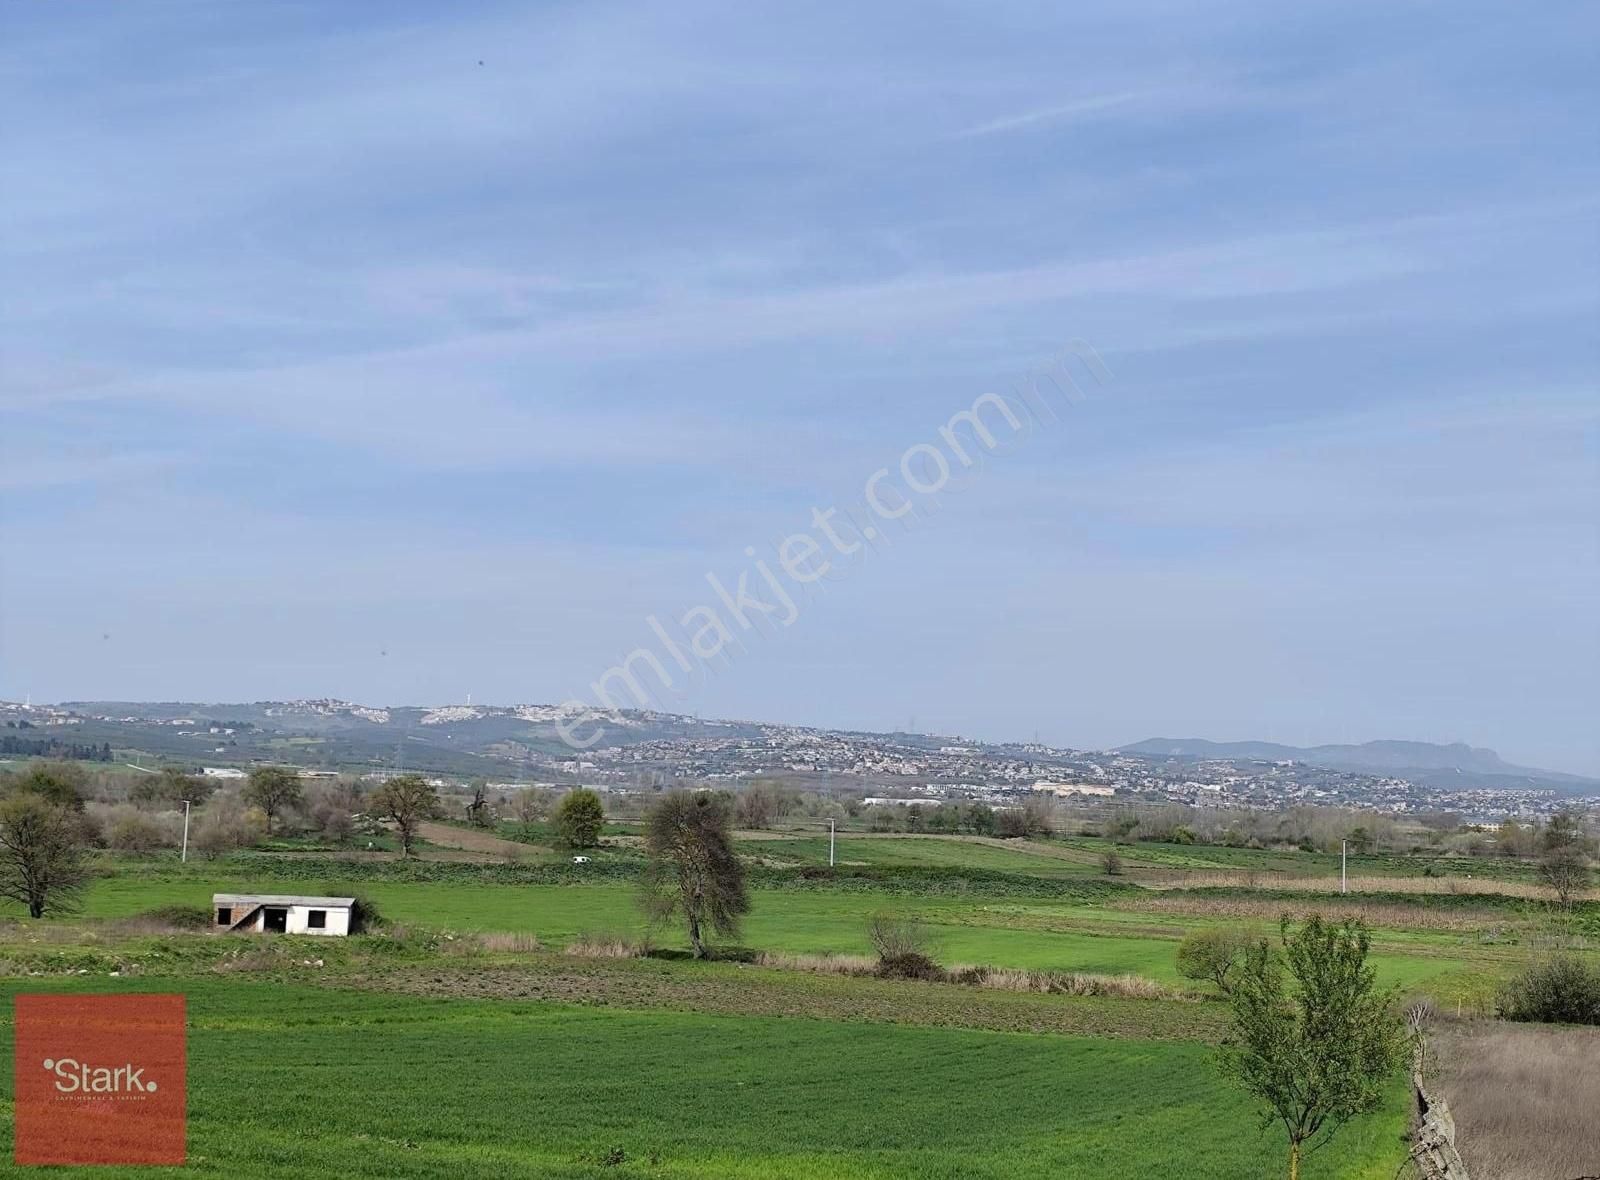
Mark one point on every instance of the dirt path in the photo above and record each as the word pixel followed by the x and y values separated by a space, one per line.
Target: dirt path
pixel 470 840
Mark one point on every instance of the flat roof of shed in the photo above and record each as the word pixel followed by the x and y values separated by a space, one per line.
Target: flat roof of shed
pixel 236 899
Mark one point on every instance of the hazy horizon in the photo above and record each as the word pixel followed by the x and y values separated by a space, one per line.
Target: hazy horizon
pixel 404 353
pixel 886 728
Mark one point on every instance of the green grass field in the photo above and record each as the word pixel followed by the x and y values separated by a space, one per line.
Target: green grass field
pixel 929 850
pixel 422 1055
pixel 303 1082
pixel 1046 934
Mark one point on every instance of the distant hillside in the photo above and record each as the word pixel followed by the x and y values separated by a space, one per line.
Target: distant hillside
pixel 1455 765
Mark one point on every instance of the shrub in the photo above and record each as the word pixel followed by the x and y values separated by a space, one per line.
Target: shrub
pixel 1213 956
pixel 365 916
pixel 901 943
pixel 134 832
pixel 180 917
pixel 823 964
pixel 1111 862
pixel 1062 983
pixel 579 818
pixel 893 935
pixel 608 946
pixel 1561 990
pixel 499 942
pixel 910 965
pixel 225 826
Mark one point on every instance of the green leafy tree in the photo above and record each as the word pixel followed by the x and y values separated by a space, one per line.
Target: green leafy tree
pixel 58 782
pixel 1564 830
pixel 1214 955
pixel 43 865
pixel 692 870
pixel 274 789
pixel 181 787
pixel 1322 1051
pixel 579 818
pixel 408 799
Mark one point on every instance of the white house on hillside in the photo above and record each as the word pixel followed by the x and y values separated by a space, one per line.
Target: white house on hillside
pixel 282 914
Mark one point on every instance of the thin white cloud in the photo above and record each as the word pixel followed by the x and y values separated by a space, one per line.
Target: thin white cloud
pixel 1065 112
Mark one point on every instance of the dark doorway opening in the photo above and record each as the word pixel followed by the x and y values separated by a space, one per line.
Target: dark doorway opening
pixel 275 920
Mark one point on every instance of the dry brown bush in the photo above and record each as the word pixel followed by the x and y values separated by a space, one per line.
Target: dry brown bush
pixel 825 964
pixel 608 946
pixel 1063 983
pixel 516 941
pixel 494 942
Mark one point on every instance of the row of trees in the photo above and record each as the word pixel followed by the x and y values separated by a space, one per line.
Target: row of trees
pixel 54 748
pixel 46 831
pixel 1325 828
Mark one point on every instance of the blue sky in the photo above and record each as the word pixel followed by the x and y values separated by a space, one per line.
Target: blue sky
pixel 402 352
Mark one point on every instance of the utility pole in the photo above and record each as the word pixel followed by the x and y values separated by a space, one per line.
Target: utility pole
pixel 830 843
pixel 1344 881
pixel 185 831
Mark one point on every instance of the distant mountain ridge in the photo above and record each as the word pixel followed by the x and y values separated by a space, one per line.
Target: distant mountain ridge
pixel 483 740
pixel 1440 765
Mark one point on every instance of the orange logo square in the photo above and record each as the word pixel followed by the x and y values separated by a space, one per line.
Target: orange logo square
pixel 100 1079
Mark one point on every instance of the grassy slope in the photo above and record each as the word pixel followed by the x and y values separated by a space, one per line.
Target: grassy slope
pixel 931 850
pixel 305 1082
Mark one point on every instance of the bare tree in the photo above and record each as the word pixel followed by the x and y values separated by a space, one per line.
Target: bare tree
pixel 757 805
pixel 224 826
pixel 530 806
pixel 1564 867
pixel 692 870
pixel 329 810
pixel 479 813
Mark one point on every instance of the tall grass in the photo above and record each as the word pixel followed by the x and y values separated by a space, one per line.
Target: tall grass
pixel 822 964
pixel 1008 979
pixel 1524 1097
pixel 608 946
pixel 1065 983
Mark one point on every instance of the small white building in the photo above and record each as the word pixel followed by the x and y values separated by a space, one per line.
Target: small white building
pixel 282 913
